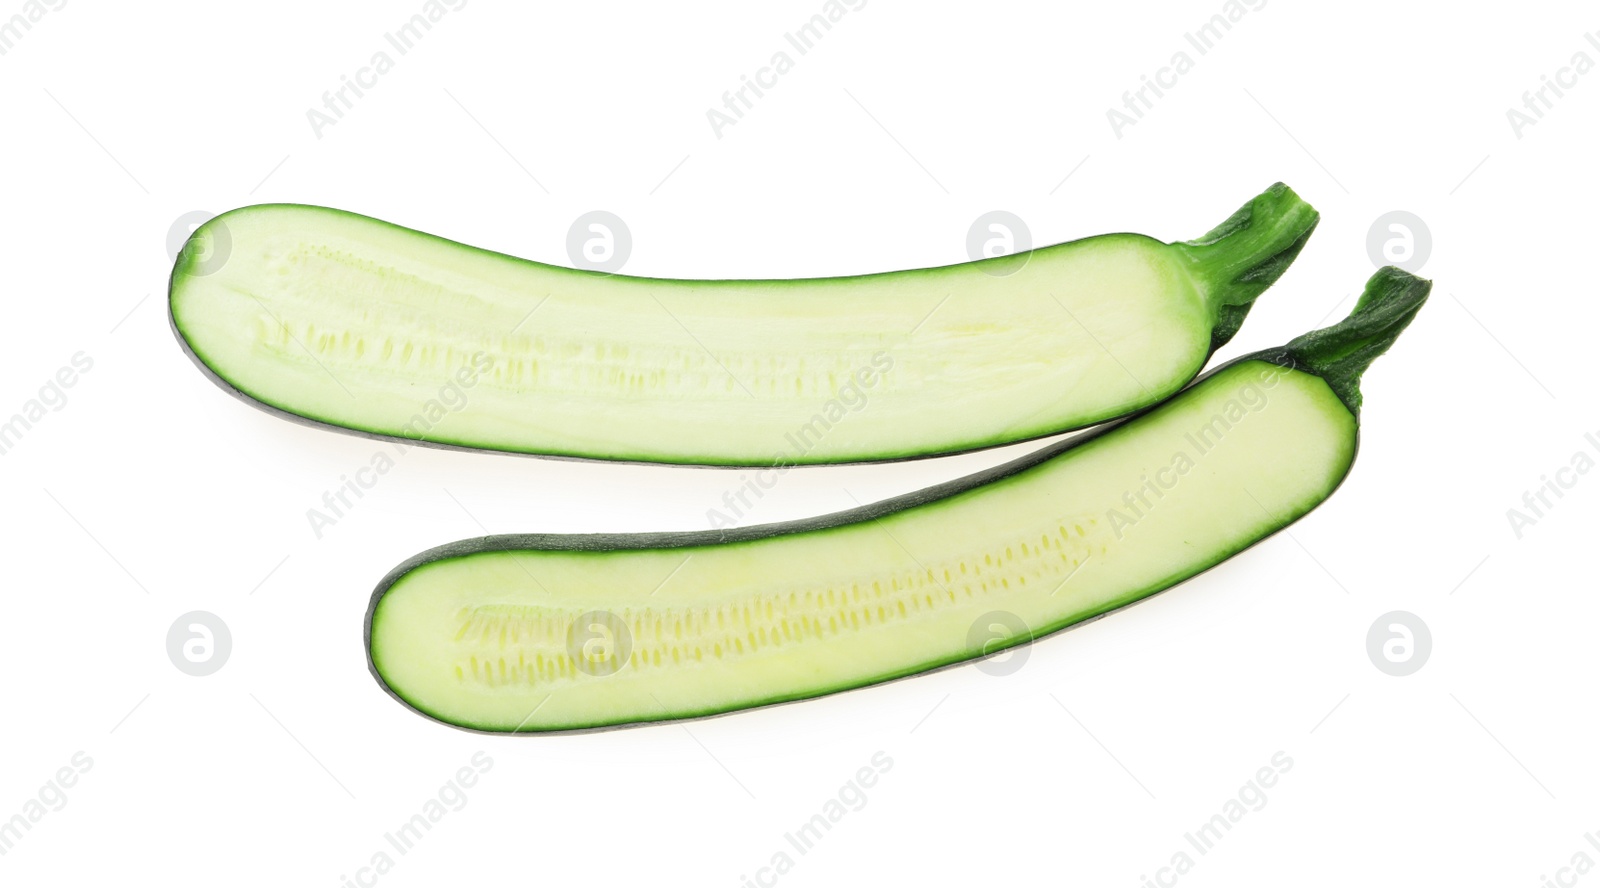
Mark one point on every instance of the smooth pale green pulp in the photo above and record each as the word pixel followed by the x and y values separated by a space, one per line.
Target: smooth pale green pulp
pixel 481 640
pixel 359 324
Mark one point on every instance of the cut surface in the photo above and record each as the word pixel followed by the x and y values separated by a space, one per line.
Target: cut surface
pixel 358 324
pixel 541 633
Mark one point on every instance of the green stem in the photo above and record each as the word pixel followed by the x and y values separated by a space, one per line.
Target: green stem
pixel 1239 259
pixel 1342 352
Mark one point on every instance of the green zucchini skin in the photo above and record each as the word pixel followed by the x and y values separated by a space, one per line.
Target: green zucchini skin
pixel 1338 355
pixel 1234 264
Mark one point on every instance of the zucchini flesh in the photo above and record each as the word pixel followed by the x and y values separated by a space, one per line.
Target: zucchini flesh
pixel 534 633
pixel 356 324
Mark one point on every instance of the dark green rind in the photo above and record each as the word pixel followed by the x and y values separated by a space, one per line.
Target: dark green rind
pixel 1236 261
pixel 1341 353
pixel 1239 259
pixel 1392 295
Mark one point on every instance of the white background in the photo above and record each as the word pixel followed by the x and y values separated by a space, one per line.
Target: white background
pixel 152 493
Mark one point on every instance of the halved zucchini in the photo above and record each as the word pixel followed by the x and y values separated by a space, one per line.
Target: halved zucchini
pixel 357 324
pixel 565 632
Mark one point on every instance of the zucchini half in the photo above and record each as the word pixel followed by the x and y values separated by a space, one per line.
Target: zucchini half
pixel 356 324
pixel 542 632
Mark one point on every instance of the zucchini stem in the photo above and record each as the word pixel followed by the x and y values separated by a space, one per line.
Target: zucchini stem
pixel 1239 259
pixel 1341 353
